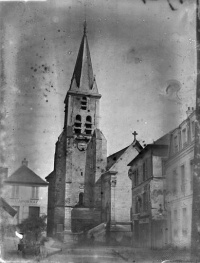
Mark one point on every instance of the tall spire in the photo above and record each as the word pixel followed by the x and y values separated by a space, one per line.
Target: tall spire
pixel 85 27
pixel 83 78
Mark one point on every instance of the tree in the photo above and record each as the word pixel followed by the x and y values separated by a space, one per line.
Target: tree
pixel 33 227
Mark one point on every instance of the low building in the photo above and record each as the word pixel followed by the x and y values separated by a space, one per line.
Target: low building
pixel 178 171
pixel 23 193
pixel 148 195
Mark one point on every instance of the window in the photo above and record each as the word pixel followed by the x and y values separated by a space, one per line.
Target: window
pixel 15 191
pixel 184 222
pixel 175 223
pixel 77 124
pixel 175 144
pixel 184 137
pixel 136 177
pixel 191 173
pixel 80 201
pixel 144 171
pixel 84 103
pixel 193 129
pixel 183 179
pixel 34 211
pixel 174 181
pixel 34 192
pixel 88 125
pixel 145 201
pixel 138 204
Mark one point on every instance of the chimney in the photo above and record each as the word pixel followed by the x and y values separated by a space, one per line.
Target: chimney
pixel 3 173
pixel 189 111
pixel 25 162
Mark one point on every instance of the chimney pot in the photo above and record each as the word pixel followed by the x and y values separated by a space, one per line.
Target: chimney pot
pixel 189 111
pixel 25 162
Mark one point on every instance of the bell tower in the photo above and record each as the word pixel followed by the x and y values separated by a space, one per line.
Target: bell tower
pixel 81 120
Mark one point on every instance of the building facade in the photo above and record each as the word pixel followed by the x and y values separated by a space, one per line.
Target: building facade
pixel 178 171
pixel 23 193
pixel 148 222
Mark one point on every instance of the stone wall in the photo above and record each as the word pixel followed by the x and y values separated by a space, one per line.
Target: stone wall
pixel 95 166
pixel 84 219
pixel 121 193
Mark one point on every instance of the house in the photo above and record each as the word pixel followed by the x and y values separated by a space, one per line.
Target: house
pixel 178 170
pixel 148 220
pixel 23 189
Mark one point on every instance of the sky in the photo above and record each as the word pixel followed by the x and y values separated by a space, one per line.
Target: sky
pixel 143 56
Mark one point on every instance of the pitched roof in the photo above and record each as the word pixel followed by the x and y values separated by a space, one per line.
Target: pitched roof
pixel 7 207
pixel 115 156
pixel 25 176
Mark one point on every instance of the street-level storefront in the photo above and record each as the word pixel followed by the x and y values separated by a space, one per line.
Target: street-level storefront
pixel 148 232
pixel 158 234
pixel 141 232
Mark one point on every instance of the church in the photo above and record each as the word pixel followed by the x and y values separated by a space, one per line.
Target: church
pixel 74 155
pixel 87 189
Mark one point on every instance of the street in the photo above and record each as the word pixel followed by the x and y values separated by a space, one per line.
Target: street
pixel 87 255
pixel 60 253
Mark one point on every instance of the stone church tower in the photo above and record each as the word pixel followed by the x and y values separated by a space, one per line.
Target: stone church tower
pixel 73 157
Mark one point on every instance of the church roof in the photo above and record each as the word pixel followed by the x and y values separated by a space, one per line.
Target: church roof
pixel 25 176
pixel 83 80
pixel 115 156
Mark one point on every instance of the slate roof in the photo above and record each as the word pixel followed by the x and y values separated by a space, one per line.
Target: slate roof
pixel 115 156
pixel 25 176
pixel 7 207
pixel 83 79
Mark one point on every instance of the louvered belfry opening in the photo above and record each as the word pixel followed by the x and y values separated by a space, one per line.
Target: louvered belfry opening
pixel 77 124
pixel 84 103
pixel 88 125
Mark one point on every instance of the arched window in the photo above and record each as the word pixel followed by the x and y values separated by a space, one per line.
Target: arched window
pixel 78 118
pixel 77 124
pixel 89 119
pixel 80 201
pixel 88 125
pixel 84 103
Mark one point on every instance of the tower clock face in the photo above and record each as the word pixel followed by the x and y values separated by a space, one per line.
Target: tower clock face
pixel 82 146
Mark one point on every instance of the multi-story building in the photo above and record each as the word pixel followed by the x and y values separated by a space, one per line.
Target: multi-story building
pixel 148 195
pixel 23 193
pixel 178 171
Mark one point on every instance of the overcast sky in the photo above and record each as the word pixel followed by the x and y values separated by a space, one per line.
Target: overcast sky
pixel 143 56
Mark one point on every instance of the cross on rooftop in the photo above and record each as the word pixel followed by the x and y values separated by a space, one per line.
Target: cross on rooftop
pixel 135 134
pixel 85 27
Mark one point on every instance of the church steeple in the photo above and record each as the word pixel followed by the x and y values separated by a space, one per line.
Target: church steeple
pixel 83 80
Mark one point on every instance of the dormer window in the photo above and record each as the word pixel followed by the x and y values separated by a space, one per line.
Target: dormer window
pixel 77 124
pixel 193 129
pixel 84 103
pixel 88 125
